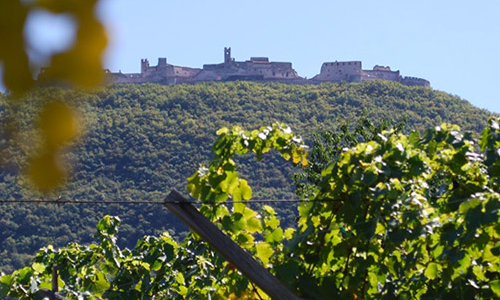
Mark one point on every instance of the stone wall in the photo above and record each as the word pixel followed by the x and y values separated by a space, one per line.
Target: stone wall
pixel 340 71
pixel 378 72
pixel 415 81
pixel 259 69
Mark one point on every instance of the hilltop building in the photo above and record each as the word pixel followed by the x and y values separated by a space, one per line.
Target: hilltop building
pixel 351 71
pixel 162 73
pixel 258 69
pixel 255 69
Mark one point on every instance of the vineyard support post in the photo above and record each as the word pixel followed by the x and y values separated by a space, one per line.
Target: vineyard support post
pixel 53 294
pixel 226 247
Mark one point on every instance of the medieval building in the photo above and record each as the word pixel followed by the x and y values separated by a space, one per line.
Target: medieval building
pixel 351 71
pixel 258 69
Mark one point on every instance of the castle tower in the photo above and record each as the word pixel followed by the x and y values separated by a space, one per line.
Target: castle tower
pixel 144 66
pixel 162 63
pixel 227 56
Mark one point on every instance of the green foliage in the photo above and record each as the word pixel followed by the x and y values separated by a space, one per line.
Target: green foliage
pixel 329 144
pixel 408 216
pixel 405 217
pixel 141 141
pixel 158 267
pixel 220 180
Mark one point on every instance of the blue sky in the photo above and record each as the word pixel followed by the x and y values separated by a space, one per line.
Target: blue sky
pixel 453 44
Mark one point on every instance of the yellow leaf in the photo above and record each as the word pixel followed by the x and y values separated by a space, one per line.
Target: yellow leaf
pixel 305 162
pixel 82 64
pixel 46 171
pixel 16 69
pixel 58 124
pixel 296 156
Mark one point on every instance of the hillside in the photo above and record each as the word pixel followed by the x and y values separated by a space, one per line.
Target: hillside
pixel 142 141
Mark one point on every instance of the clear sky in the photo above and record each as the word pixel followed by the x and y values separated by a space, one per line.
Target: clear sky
pixel 452 43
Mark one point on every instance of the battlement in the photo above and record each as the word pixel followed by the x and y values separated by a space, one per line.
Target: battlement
pixel 259 59
pixel 415 81
pixel 260 69
pixel 381 68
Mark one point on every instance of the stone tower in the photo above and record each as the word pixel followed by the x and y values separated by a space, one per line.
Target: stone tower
pixel 144 66
pixel 162 63
pixel 227 56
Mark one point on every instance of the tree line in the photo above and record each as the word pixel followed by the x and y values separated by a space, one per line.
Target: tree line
pixel 141 141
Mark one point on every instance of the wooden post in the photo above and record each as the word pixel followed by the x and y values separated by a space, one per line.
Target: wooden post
pixel 55 288
pixel 226 247
pixel 53 294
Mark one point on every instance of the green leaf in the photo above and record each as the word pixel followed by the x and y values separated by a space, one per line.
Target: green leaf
pixel 239 222
pixel 38 267
pixel 245 239
pixel 156 265
pixel 271 222
pixel 431 271
pixel 269 210
pixel 236 192
pixel 278 235
pixel 179 278
pixel 249 213
pixel 222 131
pixel 495 287
pixel 230 182
pixel 478 271
pixel 373 279
pixel 469 204
pixel 100 284
pixel 246 190
pixel 264 252
pixel 254 225
pixel 289 233
pixel 24 275
pixel 414 138
pixel 239 207
pixel 183 290
pixel 488 256
pixel 5 284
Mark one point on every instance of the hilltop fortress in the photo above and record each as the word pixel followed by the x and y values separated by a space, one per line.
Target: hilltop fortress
pixel 258 69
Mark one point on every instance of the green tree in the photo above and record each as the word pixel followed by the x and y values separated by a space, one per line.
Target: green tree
pixel 408 216
pixel 329 144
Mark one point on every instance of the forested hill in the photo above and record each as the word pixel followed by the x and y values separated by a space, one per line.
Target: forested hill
pixel 141 141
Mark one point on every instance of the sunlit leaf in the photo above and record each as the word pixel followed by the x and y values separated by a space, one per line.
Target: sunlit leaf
pixel 495 287
pixel 264 252
pixel 38 267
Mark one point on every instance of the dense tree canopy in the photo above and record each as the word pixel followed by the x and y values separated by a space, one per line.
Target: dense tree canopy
pixel 408 216
pixel 141 141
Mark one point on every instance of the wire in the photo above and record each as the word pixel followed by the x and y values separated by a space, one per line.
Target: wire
pixel 76 201
pixel 62 201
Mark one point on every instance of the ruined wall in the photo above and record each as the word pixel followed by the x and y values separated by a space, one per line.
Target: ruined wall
pixel 259 69
pixel 383 73
pixel 269 70
pixel 340 71
pixel 414 81
pixel 184 71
